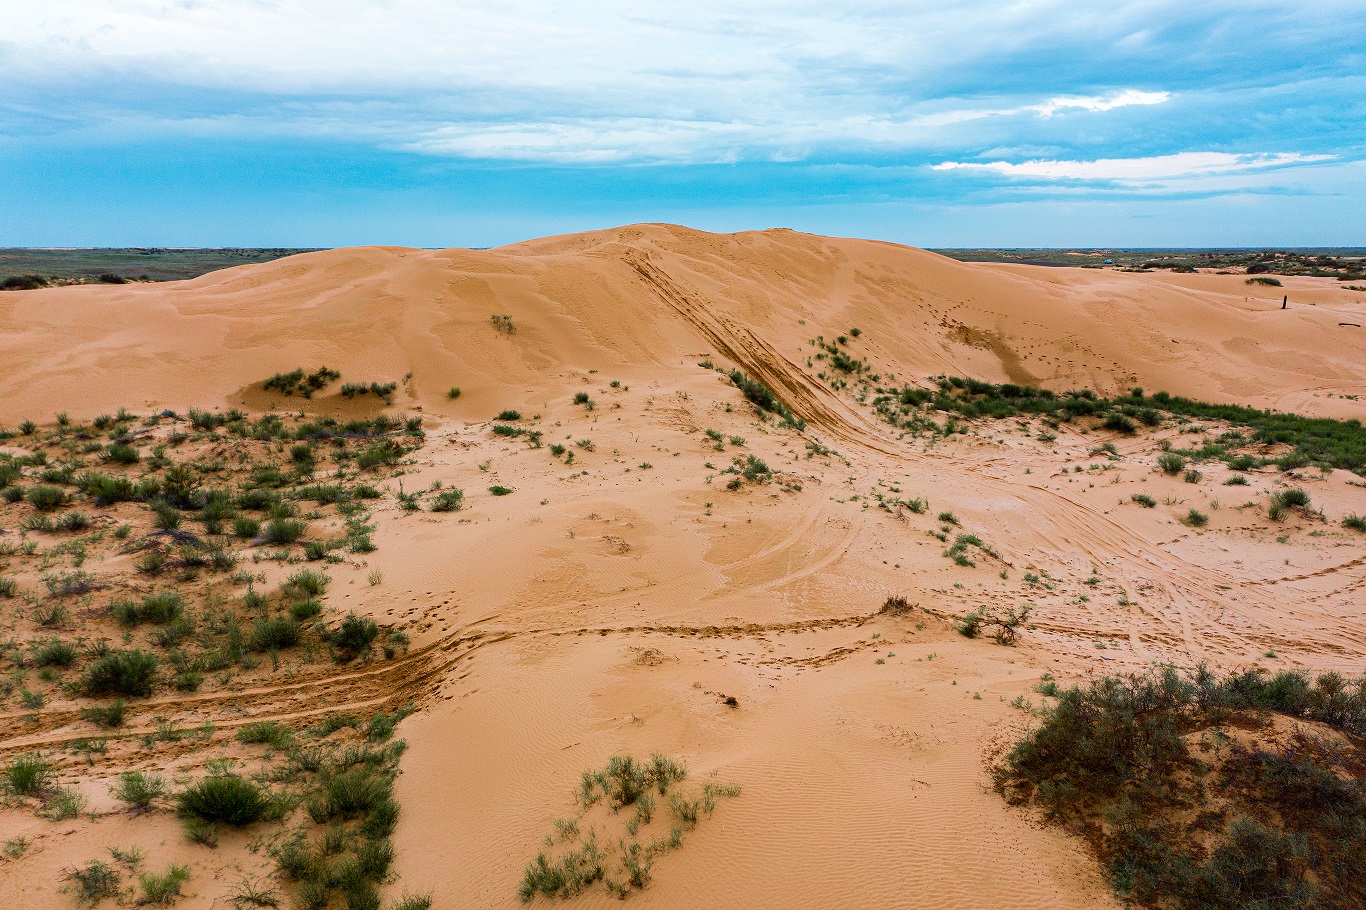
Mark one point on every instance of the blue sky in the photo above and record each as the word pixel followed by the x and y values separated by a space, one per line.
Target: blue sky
pixel 428 123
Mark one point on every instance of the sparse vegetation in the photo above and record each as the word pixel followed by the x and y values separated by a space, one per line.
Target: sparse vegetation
pixel 1133 760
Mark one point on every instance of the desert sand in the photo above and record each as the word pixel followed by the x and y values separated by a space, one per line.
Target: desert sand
pixel 611 605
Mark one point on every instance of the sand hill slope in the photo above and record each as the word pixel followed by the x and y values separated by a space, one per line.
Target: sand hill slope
pixel 610 589
pixel 652 297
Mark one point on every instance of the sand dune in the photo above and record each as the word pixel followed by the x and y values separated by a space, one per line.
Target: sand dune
pixel 612 604
pixel 649 298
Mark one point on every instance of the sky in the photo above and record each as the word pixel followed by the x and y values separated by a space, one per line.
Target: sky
pixel 436 123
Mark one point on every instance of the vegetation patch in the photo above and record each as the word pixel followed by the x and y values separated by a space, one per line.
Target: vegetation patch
pixel 1193 797
pixel 626 814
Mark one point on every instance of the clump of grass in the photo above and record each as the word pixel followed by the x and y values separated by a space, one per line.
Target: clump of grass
pixel 159 608
pixel 1144 500
pixel 764 399
pixel 499 490
pixel 447 501
pixel 284 530
pixel 45 498
pixel 1355 522
pixel 165 888
pixel 94 882
pixel 227 799
pixel 139 789
pixel 28 774
pixel 1195 518
pixel 1171 463
pixel 110 715
pixel 353 636
pixel 1264 279
pixel 120 672
pixel 270 732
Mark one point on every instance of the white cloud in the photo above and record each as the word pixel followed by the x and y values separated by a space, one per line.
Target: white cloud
pixel 1139 170
pixel 1048 108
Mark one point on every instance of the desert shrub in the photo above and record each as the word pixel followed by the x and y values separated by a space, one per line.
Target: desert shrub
pixel 122 453
pixel 110 715
pixel 223 799
pixel 306 582
pixel 163 889
pixel 1144 500
pixel 270 732
pixel 1171 463
pixel 284 530
pixel 138 789
pixel 355 792
pixel 305 609
pixel 8 587
pixel 499 490
pixel 94 882
pixel 1272 827
pixel 453 392
pixel 273 634
pixel 1264 279
pixel 1355 522
pixel 28 774
pixel 246 528
pixel 1191 475
pixel 159 608
pixel 764 399
pixel 1293 498
pixel 1195 518
pixel 45 498
pixel 1120 424
pixel 447 501
pixel 354 635
pixel 55 653
pixel 117 672
pixel 1237 480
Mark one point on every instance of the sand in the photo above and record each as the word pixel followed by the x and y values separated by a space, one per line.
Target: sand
pixel 612 611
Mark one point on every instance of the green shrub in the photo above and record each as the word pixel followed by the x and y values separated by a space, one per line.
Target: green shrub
pixel 94 882
pixel 163 889
pixel 1120 424
pixel 354 635
pixel 45 498
pixel 498 490
pixel 1171 463
pixel 1196 519
pixel 284 530
pixel 273 634
pixel 110 715
pixel 447 501
pixel 764 399
pixel 1264 279
pixel 223 799
pixel 138 789
pixel 122 453
pixel 28 774
pixel 270 732
pixel 453 392
pixel 1355 522
pixel 306 582
pixel 118 672
pixel 246 528
pixel 509 414
pixel 56 653
pixel 159 608
pixel 1294 498
pixel 1144 500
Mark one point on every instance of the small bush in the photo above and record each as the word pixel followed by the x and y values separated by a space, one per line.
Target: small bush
pixel 453 392
pixel 45 498
pixel 270 732
pixel 94 882
pixel 1294 498
pixel 1120 424
pixel 121 673
pixel 110 715
pixel 224 799
pixel 354 635
pixel 284 530
pixel 498 490
pixel 246 528
pixel 1171 463
pixel 448 501
pixel 1195 518
pixel 163 889
pixel 138 789
pixel 1355 522
pixel 1264 279
pixel 159 608
pixel 28 774
pixel 273 634
pixel 1144 500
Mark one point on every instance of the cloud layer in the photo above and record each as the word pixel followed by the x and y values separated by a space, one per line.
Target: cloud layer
pixel 954 101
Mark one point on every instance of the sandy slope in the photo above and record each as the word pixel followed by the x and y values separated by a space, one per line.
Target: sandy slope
pixel 609 605
pixel 639 298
